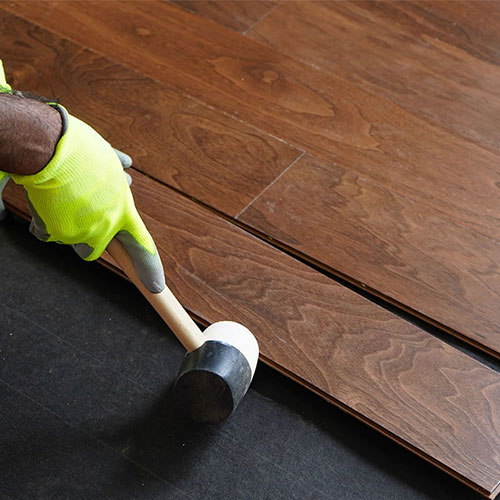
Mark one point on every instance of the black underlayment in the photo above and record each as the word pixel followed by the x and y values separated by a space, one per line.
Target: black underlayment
pixel 86 370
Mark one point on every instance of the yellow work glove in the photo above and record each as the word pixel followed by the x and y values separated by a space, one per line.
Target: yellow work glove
pixel 82 198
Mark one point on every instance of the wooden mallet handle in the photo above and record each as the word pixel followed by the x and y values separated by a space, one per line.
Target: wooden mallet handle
pixel 165 303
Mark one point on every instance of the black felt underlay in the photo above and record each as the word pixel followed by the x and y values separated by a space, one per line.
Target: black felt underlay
pixel 86 369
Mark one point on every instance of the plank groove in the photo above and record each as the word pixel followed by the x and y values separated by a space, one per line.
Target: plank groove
pixel 424 62
pixel 353 353
pixel 409 254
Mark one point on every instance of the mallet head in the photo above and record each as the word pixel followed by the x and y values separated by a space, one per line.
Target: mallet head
pixel 214 378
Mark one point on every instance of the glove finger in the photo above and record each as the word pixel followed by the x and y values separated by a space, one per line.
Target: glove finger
pixel 4 178
pixel 147 265
pixel 39 230
pixel 37 226
pixel 126 162
pixel 129 179
pixel 83 250
pixel 124 158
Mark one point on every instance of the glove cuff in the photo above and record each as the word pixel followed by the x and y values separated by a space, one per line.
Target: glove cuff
pixel 72 148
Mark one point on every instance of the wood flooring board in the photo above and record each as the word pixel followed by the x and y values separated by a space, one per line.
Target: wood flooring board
pixel 411 255
pixel 238 15
pixel 425 63
pixel 202 152
pixel 414 388
pixel 319 112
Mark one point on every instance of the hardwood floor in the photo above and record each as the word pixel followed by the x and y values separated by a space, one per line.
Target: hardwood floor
pixel 368 147
pixel 327 116
pixel 360 357
pixel 316 111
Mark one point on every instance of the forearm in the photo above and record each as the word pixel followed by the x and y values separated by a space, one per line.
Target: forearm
pixel 29 132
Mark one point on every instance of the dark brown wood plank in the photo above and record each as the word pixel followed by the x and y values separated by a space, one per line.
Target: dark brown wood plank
pixel 410 255
pixel 426 395
pixel 317 111
pixel 424 63
pixel 204 153
pixel 238 15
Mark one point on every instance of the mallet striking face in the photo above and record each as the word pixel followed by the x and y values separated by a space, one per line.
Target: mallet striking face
pixel 220 362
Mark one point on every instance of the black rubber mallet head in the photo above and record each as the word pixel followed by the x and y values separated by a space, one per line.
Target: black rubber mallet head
pixel 220 362
pixel 214 377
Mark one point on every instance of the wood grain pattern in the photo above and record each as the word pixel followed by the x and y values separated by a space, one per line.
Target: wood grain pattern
pixel 410 255
pixel 470 22
pixel 185 144
pixel 350 351
pixel 236 14
pixel 399 50
pixel 319 112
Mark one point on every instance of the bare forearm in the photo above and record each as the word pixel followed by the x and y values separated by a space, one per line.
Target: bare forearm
pixel 29 132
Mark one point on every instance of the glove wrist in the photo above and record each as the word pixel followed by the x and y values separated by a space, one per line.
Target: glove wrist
pixel 56 163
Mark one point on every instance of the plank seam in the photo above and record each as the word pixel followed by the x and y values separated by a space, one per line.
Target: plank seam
pixel 261 19
pixel 270 184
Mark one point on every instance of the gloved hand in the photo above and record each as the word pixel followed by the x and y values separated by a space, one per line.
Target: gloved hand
pixel 82 198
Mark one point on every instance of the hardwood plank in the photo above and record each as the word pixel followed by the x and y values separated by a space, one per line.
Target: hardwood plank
pixel 317 111
pixel 353 353
pixel 202 152
pixel 410 255
pixel 238 15
pixel 422 62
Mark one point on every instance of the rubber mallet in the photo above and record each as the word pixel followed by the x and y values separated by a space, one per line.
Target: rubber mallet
pixel 220 362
